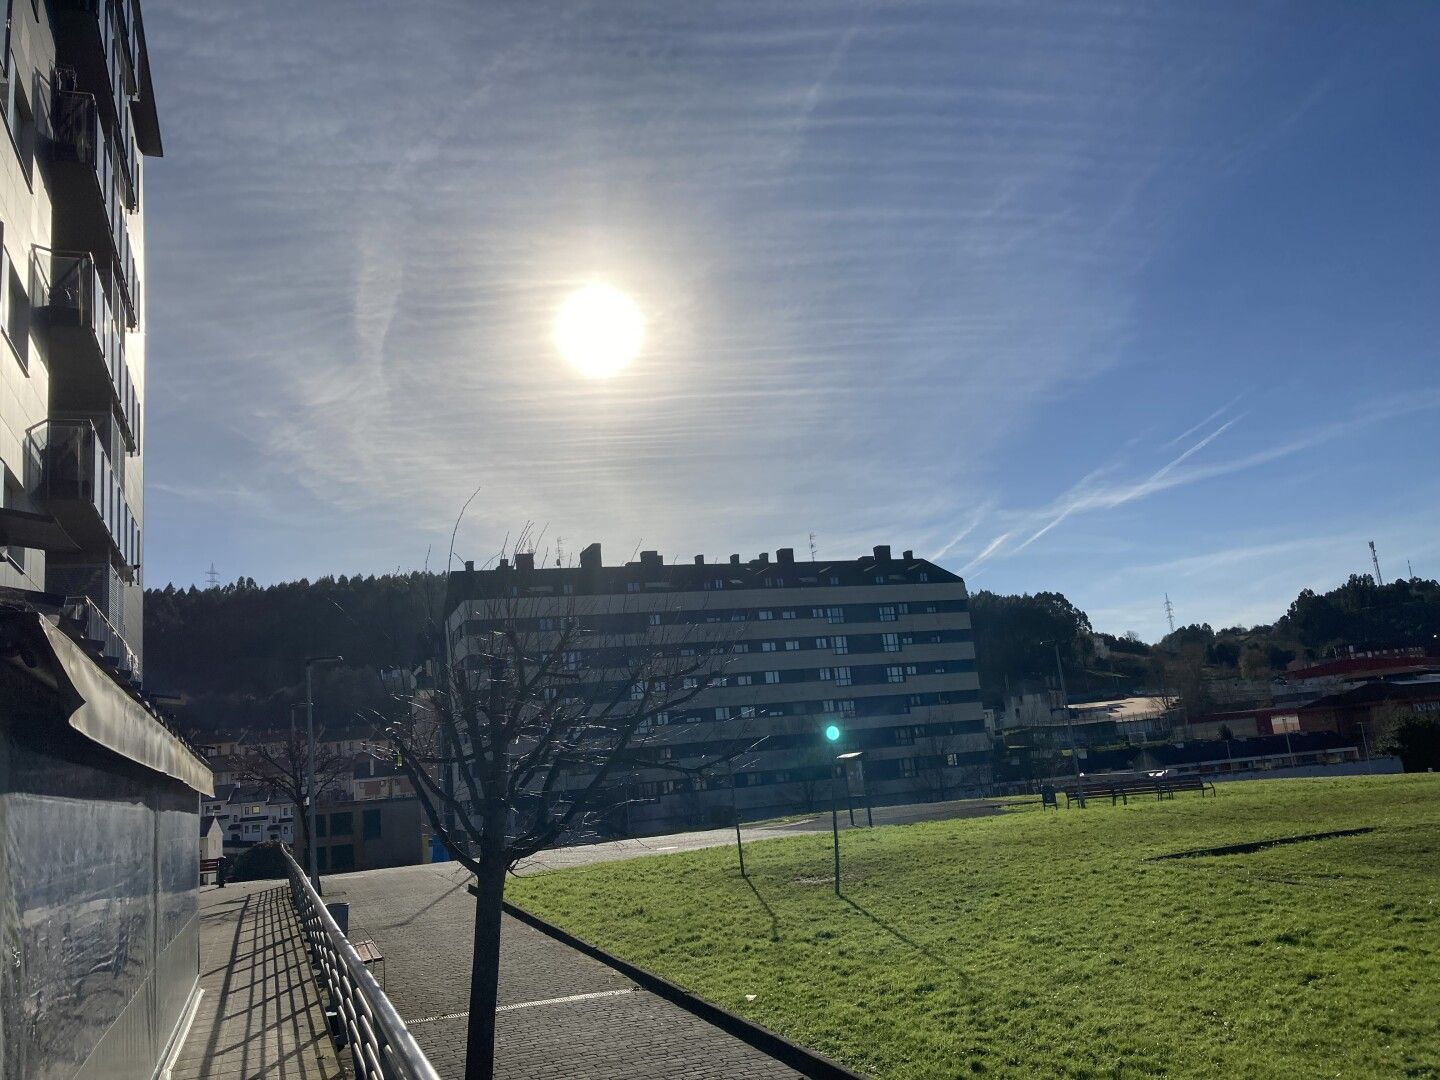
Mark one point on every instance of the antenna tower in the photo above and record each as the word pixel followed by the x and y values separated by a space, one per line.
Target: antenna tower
pixel 212 577
pixel 1169 613
pixel 812 548
pixel 1374 558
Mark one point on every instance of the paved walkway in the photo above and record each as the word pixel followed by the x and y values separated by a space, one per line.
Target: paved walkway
pixel 562 1014
pixel 260 1014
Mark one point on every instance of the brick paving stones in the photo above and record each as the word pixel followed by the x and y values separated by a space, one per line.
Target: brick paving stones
pixel 421 918
pixel 260 1014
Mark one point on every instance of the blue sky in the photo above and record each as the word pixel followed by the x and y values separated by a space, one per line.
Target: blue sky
pixel 1115 299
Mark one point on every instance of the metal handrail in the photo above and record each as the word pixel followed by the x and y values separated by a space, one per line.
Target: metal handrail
pixel 381 1046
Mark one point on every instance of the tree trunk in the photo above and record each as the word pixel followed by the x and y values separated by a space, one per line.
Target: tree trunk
pixel 485 969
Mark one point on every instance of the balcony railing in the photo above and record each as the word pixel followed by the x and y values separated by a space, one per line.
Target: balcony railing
pixel 79 487
pixel 78 136
pixel 92 622
pixel 84 336
pixel 381 1046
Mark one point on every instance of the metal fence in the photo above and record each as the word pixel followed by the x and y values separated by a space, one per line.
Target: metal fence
pixel 379 1043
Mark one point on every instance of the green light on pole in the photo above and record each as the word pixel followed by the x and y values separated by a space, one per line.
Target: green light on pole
pixel 832 733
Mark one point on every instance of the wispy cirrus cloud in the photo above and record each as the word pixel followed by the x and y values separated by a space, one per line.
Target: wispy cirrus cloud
pixel 1094 492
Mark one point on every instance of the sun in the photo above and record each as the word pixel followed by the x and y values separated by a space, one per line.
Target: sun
pixel 599 330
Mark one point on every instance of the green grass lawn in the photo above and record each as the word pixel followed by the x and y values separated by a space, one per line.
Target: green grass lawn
pixel 1044 944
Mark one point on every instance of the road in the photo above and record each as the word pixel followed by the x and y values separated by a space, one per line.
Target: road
pixel 615 850
pixel 562 1014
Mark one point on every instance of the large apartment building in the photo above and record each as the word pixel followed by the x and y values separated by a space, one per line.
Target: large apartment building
pixel 878 647
pixel 79 113
pixel 99 799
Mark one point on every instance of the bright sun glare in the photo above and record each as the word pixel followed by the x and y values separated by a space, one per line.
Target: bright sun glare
pixel 599 330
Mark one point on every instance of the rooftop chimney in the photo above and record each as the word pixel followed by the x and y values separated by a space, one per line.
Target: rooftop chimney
pixel 470 565
pixel 734 560
pixel 909 554
pixel 504 564
pixel 763 558
pixel 882 552
pixel 699 560
pixel 785 555
pixel 524 560
pixel 590 557
pixel 650 558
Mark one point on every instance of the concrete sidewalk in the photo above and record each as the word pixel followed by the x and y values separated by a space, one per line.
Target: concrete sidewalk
pixel 562 1014
pixel 259 1014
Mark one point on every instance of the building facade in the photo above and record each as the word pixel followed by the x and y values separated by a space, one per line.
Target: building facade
pixel 80 120
pixel 878 647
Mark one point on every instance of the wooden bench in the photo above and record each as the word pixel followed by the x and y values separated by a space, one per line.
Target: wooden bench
pixel 1120 790
pixel 370 955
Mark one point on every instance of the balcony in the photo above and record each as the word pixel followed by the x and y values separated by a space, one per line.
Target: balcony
pixel 78 486
pixel 86 345
pixel 91 191
pixel 101 633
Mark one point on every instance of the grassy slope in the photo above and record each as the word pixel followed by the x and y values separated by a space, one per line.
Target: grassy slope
pixel 1042 944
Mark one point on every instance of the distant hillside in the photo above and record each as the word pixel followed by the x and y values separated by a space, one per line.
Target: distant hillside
pixel 236 652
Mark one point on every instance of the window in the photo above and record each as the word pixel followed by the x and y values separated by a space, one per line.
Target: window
pixel 17 313
pixel 842 676
pixel 841 643
pixel 370 824
pixel 655 619
pixel 767 646
pixel 792 645
pixel 19 117
pixel 740 646
pixel 722 713
pixel 687 651
pixel 342 857
pixel 827 673
pixel 835 615
pixel 788 613
pixel 342 824
pixel 926 577
pixel 747 712
pixel 716 583
pixel 817 613
pixel 744 680
pixel 834 579
pixel 903 609
pixel 547 624
pixel 737 616
pixel 660 719
pixel 845 707
pixel 904 736
pixel 632 586
pixel 822 643
pixel 890 642
pixel 568 589
pixel 637 692
pixel 570 659
pixel 772 677
pixel 766 616
pixel 950 759
pixel 690 683
pixel 907 768
pixel 887 612
pixel 894 674
pixel 253 809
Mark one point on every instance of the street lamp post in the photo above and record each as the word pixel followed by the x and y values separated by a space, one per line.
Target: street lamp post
pixel 1070 726
pixel 310 663
pixel 832 735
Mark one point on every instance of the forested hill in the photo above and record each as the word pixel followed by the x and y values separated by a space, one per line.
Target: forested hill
pixel 236 651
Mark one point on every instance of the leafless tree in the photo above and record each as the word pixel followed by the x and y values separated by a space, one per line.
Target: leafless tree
pixel 533 738
pixel 278 763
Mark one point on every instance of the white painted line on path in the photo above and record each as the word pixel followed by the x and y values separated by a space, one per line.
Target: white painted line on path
pixel 527 1005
